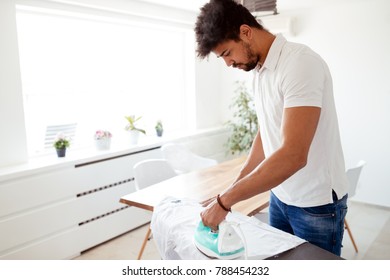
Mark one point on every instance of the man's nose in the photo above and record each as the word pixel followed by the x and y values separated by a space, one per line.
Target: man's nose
pixel 229 62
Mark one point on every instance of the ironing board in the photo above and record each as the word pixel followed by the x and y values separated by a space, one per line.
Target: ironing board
pixel 175 220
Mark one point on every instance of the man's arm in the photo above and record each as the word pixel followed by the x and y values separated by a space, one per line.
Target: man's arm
pixel 298 128
pixel 255 157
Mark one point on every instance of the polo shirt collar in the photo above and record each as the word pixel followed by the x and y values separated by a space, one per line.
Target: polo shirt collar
pixel 274 52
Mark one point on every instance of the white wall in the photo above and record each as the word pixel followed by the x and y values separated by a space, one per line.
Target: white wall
pixel 354 38
pixel 207 93
pixel 12 130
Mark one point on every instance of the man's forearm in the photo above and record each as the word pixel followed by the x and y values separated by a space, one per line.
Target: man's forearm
pixel 255 157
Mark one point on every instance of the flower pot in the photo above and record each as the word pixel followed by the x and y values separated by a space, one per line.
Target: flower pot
pixel 159 133
pixel 103 144
pixel 61 152
pixel 134 135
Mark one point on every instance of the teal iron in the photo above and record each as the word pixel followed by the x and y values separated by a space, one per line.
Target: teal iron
pixel 223 244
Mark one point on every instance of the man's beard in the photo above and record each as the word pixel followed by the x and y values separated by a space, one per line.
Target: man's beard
pixel 253 60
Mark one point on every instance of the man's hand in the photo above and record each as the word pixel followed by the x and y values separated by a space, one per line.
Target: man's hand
pixel 213 215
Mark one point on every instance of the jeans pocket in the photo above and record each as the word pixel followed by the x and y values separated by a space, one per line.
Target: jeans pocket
pixel 324 211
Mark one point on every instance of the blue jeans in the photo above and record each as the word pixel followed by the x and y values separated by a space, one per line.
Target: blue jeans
pixel 320 225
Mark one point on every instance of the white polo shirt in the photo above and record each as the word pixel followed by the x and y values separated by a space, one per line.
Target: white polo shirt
pixel 292 76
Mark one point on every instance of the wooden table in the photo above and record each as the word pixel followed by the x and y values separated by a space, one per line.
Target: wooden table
pixel 199 185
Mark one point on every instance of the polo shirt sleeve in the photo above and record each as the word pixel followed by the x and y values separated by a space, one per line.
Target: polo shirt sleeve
pixel 304 81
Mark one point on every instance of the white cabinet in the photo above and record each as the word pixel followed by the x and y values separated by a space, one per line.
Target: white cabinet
pixel 57 214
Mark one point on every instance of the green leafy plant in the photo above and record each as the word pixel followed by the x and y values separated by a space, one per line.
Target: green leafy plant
pixel 132 124
pixel 61 141
pixel 244 126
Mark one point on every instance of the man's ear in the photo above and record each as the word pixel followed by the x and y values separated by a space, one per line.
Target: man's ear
pixel 245 32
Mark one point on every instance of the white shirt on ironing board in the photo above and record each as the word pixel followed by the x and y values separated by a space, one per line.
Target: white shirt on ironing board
pixel 174 222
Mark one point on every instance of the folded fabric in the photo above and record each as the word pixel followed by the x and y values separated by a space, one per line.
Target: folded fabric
pixel 175 220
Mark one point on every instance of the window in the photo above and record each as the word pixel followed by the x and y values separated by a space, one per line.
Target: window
pixel 92 71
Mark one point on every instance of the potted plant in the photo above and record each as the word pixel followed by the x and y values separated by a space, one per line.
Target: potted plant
pixel 133 129
pixel 244 126
pixel 159 128
pixel 61 142
pixel 102 139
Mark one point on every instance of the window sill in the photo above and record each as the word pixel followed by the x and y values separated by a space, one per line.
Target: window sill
pixel 39 164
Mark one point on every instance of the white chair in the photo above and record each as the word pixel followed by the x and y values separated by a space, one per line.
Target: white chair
pixel 353 175
pixel 147 173
pixel 152 171
pixel 183 160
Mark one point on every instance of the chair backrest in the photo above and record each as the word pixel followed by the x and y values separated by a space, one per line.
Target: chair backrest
pixel 353 175
pixel 183 160
pixel 151 171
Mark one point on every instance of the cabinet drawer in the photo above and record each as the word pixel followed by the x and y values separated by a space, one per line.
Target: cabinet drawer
pixel 66 183
pixel 47 220
pixel 70 243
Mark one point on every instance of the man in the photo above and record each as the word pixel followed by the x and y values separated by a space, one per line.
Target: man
pixel 297 151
